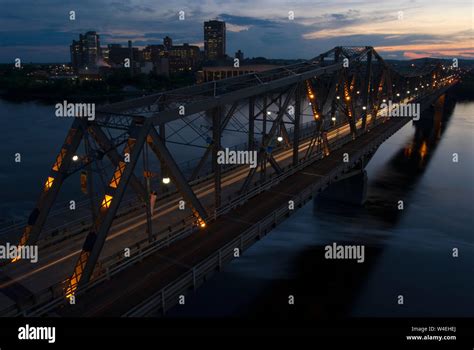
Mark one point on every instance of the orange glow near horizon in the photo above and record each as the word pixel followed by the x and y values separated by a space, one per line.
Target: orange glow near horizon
pixel 428 29
pixel 463 49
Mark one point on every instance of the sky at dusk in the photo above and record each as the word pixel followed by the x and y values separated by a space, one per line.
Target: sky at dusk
pixel 40 30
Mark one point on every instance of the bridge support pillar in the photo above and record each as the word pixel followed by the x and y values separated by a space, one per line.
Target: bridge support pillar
pixel 216 141
pixel 349 189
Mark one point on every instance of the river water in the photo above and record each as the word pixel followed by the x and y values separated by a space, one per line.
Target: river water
pixel 407 253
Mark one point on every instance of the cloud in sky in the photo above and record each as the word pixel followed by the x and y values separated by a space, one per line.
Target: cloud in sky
pixel 40 30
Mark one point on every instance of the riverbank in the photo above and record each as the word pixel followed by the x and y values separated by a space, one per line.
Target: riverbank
pixel 24 86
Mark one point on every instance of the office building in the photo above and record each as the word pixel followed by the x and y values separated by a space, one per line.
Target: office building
pixel 214 40
pixel 86 51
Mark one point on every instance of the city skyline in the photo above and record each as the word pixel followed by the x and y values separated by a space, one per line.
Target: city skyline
pixel 402 31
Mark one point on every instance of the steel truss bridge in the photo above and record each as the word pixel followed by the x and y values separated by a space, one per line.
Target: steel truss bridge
pixel 299 119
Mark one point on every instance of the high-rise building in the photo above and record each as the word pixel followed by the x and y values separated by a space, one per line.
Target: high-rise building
pixel 76 55
pixel 86 51
pixel 214 40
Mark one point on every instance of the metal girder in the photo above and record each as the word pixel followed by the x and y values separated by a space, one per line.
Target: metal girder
pixel 226 91
pixel 334 86
pixel 281 112
pixel 209 148
pixel 349 110
pixel 196 107
pixel 274 164
pixel 284 134
pixel 262 160
pixel 366 89
pixel 209 95
pixel 162 152
pixel 269 137
pixel 216 146
pixel 251 139
pixel 108 208
pixel 111 152
pixel 52 186
pixel 89 188
pixel 378 96
pixel 314 140
pixel 297 125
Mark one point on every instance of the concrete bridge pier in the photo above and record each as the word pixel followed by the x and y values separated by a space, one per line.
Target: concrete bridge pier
pixel 351 189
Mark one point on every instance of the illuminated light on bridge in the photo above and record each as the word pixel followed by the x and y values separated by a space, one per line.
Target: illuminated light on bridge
pixel 201 223
pixel 73 281
pixel 312 98
pixel 117 175
pixel 59 159
pixel 75 158
pixel 423 150
pixel 364 108
pixel 279 138
pixel 106 202
pixel 49 183
pixel 166 180
pixel 23 240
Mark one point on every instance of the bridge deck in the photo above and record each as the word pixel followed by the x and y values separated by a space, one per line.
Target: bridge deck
pixel 133 285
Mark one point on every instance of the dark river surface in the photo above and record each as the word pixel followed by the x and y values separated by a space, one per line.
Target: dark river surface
pixel 408 252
